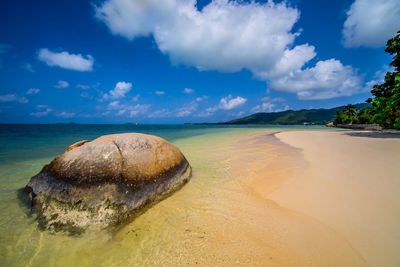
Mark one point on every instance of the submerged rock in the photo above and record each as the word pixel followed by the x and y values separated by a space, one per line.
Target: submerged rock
pixel 106 181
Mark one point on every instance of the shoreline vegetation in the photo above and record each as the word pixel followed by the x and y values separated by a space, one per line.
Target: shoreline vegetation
pixel 384 112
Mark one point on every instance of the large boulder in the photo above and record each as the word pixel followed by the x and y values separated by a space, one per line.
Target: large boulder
pixel 106 181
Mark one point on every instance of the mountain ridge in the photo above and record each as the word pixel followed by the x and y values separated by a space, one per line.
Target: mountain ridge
pixel 288 117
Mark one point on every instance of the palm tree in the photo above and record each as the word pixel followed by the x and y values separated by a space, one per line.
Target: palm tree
pixel 351 112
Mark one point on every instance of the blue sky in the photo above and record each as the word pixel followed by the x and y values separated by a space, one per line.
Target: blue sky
pixel 177 61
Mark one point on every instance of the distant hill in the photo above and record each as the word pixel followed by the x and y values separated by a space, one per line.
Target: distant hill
pixel 304 116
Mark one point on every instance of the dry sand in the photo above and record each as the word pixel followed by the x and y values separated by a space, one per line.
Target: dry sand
pixel 342 193
pixel 350 185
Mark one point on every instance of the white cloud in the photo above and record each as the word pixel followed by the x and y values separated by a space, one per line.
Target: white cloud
pixel 379 77
pixel 65 114
pixel 159 93
pixel 61 84
pixel 188 90
pixel 159 113
pixel 66 60
pixel 127 110
pixel 225 103
pixel 328 79
pixel 119 91
pixel 86 95
pixel 87 86
pixel 13 98
pixel 33 91
pixel 224 35
pixel 138 109
pixel 83 86
pixel 269 104
pixel 42 111
pixel 229 36
pixel 191 107
pixel 371 22
pixel 228 103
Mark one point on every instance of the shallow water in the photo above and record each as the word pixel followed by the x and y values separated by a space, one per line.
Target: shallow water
pixel 191 227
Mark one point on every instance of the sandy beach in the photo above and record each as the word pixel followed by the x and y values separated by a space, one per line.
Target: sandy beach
pixel 351 185
pixel 348 185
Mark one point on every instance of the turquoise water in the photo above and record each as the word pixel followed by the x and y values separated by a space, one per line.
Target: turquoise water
pixel 24 149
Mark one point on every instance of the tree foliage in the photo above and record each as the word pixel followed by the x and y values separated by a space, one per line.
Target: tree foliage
pixel 351 115
pixel 386 96
pixel 385 109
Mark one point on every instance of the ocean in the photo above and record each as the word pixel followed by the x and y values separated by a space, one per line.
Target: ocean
pixel 173 232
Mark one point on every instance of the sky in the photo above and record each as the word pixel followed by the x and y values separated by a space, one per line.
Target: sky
pixel 177 61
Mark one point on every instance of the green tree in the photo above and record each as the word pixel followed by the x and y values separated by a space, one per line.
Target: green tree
pixel 350 114
pixel 364 116
pixel 386 97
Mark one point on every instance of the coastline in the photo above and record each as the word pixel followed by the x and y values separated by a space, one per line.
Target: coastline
pixel 258 197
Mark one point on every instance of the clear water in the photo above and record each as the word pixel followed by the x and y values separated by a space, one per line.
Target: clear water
pixel 166 234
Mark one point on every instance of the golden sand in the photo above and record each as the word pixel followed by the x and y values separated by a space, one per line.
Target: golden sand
pixel 351 185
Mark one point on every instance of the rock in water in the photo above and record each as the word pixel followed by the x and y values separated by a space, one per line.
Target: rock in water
pixel 106 181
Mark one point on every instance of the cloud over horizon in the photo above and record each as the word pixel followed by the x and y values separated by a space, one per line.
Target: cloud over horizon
pixel 229 102
pixel 327 79
pixel 212 39
pixel 13 98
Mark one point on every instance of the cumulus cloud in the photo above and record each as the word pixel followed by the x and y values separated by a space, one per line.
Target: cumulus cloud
pixel 188 90
pixel 61 84
pixel 13 98
pixel 225 103
pixel 127 110
pixel 269 104
pixel 119 91
pixel 41 111
pixel 66 60
pixel 327 79
pixel 66 114
pixel 191 107
pixel 230 36
pixel 33 91
pixel 371 22
pixel 159 93
pixel 228 103
pixel 210 39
